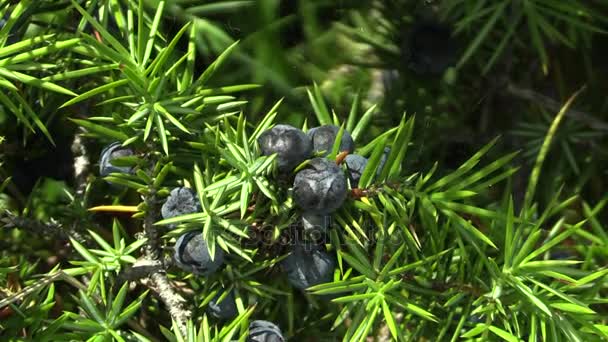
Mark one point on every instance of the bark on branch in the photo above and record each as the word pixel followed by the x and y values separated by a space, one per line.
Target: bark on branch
pixel 143 268
pixel 47 229
pixel 157 279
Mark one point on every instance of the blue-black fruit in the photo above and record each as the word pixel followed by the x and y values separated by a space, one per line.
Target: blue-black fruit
pixel 291 145
pixel 110 152
pixel 324 137
pixel 264 331
pixel 308 265
pixel 225 309
pixel 387 151
pixel 181 201
pixel 320 188
pixel 355 165
pixel 192 254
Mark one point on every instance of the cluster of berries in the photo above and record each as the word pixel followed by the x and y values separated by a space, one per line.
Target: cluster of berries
pixel 319 189
pixel 191 253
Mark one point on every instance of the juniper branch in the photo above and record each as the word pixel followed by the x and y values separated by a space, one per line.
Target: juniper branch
pixel 143 268
pixel 51 228
pixel 81 164
pixel 157 281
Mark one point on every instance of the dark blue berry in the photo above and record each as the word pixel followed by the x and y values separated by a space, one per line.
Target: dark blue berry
pixel 315 223
pixel 562 255
pixel 320 188
pixel 308 265
pixel 110 152
pixel 389 79
pixel 355 165
pixel 291 145
pixel 324 137
pixel 387 151
pixel 264 331
pixel 192 255
pixel 225 309
pixel 181 201
pixel 430 48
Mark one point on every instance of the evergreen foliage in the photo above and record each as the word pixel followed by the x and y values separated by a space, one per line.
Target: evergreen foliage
pixel 401 170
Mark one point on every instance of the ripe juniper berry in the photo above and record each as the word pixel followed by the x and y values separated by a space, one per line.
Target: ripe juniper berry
pixel 291 145
pixel 355 165
pixel 225 309
pixel 192 255
pixel 430 48
pixel 387 150
pixel 323 138
pixel 308 265
pixel 181 201
pixel 264 331
pixel 110 152
pixel 315 224
pixel 320 187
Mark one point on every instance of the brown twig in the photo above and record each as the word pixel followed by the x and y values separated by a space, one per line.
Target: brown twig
pixel 553 105
pixel 176 304
pixel 143 268
pixel 51 228
pixel 157 280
